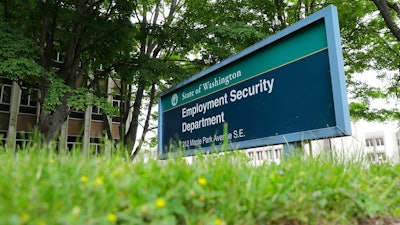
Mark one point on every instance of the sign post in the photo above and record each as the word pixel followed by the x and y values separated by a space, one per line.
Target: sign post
pixel 287 88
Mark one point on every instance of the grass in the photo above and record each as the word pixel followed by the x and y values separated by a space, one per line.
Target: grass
pixel 41 187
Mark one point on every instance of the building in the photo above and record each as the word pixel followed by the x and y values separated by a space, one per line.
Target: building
pixel 382 145
pixel 373 142
pixel 19 115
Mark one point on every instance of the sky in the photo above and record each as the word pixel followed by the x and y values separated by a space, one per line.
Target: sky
pixel 369 77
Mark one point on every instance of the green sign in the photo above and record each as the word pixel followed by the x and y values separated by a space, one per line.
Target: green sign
pixel 287 88
pixel 293 48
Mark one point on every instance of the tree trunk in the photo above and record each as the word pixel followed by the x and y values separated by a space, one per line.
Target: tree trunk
pixel 130 136
pixel 5 10
pixel 107 126
pixel 383 6
pixel 46 43
pixel 50 123
pixel 147 121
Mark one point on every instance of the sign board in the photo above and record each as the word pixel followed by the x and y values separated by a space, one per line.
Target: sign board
pixel 289 87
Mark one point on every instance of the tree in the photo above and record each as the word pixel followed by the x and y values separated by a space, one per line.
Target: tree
pixel 169 34
pixel 390 13
pixel 147 66
pixel 371 42
pixel 84 31
pixel 17 55
pixel 385 8
pixel 148 46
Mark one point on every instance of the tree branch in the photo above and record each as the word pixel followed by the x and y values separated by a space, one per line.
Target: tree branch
pixel 395 7
pixel 383 6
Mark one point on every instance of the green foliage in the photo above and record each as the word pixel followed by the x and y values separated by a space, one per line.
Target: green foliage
pixel 143 42
pixel 369 45
pixel 85 33
pixel 42 187
pixel 362 111
pixel 220 29
pixel 56 90
pixel 81 98
pixel 17 54
pixel 78 98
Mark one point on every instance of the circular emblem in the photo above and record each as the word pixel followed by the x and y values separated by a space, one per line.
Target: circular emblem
pixel 174 99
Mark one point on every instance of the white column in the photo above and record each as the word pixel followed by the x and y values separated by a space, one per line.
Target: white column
pixel 86 131
pixel 14 108
pixel 63 137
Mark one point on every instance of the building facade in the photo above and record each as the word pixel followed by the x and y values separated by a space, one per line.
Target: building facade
pixel 372 142
pixel 19 117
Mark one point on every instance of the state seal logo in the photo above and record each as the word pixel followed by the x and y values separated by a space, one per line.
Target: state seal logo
pixel 174 99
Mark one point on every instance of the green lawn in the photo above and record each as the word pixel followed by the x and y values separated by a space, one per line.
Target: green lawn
pixel 45 188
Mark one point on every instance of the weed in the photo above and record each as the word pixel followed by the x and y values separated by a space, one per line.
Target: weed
pixel 44 187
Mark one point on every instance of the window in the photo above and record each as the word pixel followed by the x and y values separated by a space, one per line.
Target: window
pixel 28 101
pixel 116 101
pixel 250 154
pixel 369 142
pixel 96 110
pixel 23 139
pixel 269 154
pixel 29 97
pixel 97 114
pixel 278 153
pixel 260 155
pixel 381 156
pixel 5 94
pixel 95 145
pixel 379 142
pixel 74 143
pixel 77 114
pixel 3 137
pixel 5 97
pixel 376 157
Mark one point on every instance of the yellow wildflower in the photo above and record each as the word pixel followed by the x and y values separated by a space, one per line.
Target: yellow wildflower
pixel 112 217
pixel 84 179
pixel 218 221
pixel 41 222
pixel 24 218
pixel 202 181
pixel 160 203
pixel 302 174
pixel 99 181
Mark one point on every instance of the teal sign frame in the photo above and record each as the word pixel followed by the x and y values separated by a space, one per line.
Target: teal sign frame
pixel 287 88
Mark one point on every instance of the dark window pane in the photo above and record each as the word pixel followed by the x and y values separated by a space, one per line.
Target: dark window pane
pixel 6 94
